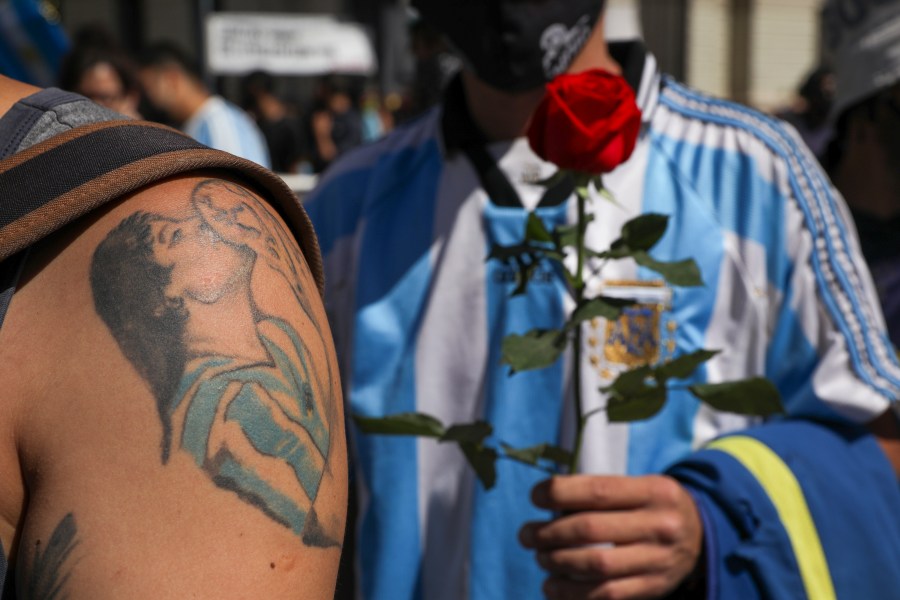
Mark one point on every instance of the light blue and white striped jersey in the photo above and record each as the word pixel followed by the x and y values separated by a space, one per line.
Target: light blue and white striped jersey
pixel 221 125
pixel 418 316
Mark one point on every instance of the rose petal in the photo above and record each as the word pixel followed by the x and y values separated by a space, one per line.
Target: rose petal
pixel 586 121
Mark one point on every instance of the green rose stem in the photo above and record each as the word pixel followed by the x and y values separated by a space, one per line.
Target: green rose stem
pixel 581 184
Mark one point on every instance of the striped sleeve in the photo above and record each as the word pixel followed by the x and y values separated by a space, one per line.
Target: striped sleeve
pixel 823 336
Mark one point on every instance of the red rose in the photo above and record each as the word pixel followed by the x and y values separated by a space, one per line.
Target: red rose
pixel 587 122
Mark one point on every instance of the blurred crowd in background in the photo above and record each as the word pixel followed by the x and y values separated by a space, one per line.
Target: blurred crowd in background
pixel 293 129
pixel 301 135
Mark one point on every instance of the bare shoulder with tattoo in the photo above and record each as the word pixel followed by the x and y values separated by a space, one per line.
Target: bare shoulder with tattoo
pixel 178 426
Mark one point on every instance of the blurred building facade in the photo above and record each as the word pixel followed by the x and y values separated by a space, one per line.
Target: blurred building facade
pixel 754 51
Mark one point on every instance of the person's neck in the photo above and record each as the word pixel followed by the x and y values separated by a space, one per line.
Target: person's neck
pixel 238 338
pixel 11 91
pixel 499 115
pixel 194 96
pixel 504 116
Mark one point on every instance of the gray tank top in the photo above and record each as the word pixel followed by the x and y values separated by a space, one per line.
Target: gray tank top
pixel 31 121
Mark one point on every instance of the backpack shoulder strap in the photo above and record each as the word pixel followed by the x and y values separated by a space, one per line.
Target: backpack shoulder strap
pixel 52 183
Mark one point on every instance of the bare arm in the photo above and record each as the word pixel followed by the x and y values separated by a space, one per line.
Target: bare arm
pixel 179 423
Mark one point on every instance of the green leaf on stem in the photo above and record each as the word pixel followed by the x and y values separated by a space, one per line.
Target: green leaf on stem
pixel 642 233
pixel 473 433
pixel 601 306
pixel 607 195
pixel 683 273
pixel 630 382
pixel 558 455
pixel 418 424
pixel 562 233
pixel 483 461
pixel 536 349
pixel 532 454
pixel 756 396
pixel 683 366
pixel 469 437
pixel 501 253
pixel 566 235
pixel 636 406
pixel 634 395
pixel 535 230
pixel 524 271
pixel 621 252
pixel 507 253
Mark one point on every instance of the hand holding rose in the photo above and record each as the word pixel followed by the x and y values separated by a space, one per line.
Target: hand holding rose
pixel 620 537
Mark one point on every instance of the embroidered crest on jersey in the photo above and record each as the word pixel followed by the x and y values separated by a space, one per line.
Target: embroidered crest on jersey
pixel 640 336
pixel 633 339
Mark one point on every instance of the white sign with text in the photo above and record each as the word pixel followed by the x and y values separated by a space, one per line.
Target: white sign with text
pixel 286 44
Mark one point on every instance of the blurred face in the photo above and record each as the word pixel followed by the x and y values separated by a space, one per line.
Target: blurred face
pixel 204 267
pixel 101 83
pixel 159 86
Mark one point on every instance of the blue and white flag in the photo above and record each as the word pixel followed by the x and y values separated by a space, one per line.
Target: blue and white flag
pixel 32 41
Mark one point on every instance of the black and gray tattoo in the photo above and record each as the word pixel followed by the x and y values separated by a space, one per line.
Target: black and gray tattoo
pixel 51 564
pixel 238 393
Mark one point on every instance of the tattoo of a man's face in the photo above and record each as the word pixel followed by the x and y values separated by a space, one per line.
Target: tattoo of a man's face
pixel 234 386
